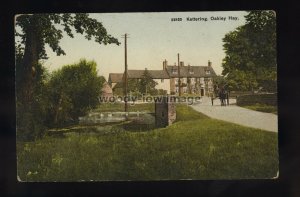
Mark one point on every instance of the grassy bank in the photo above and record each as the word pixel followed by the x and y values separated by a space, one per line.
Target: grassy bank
pixel 195 147
pixel 262 108
pixel 114 107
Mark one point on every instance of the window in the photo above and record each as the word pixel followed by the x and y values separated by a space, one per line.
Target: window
pixel 162 80
pixel 174 71
pixel 207 72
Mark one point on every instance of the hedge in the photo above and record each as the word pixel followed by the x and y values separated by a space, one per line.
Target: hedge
pixel 268 99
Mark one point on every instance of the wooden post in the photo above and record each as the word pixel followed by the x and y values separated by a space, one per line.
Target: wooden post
pixel 179 81
pixel 125 76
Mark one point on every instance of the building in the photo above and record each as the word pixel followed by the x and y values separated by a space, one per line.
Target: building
pixel 194 79
pixel 161 77
pixel 114 78
pixel 106 90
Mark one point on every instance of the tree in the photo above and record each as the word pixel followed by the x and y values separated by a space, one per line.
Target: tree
pixel 33 33
pixel 133 85
pixel 73 90
pixel 37 30
pixel 147 84
pixel 31 123
pixel 241 80
pixel 251 50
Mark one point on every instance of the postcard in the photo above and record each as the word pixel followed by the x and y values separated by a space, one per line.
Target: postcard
pixel 146 96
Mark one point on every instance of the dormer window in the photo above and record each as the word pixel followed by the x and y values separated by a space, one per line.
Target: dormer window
pixel 191 72
pixel 207 72
pixel 174 71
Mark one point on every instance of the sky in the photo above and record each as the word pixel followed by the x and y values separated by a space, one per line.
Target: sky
pixel 153 37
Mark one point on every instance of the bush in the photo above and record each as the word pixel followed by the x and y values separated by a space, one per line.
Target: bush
pixel 267 99
pixel 73 90
pixel 57 100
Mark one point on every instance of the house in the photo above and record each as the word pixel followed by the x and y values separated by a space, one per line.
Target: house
pixel 114 78
pixel 106 90
pixel 161 77
pixel 194 79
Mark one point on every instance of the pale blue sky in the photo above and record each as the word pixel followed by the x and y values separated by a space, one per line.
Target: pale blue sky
pixel 153 38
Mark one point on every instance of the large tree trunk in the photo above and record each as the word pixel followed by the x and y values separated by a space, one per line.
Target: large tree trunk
pixel 29 63
pixel 25 84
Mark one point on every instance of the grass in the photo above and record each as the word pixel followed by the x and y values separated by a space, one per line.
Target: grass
pixel 262 108
pixel 194 147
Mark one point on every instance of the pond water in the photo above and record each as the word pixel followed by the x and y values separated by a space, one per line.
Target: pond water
pixel 114 122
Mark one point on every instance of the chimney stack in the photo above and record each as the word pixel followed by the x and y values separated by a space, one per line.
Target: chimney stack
pixel 181 63
pixel 209 63
pixel 165 64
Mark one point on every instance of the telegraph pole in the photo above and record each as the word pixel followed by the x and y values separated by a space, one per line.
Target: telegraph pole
pixel 125 75
pixel 179 81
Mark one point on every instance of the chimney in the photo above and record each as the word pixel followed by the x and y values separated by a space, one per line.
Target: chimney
pixel 209 63
pixel 165 65
pixel 181 63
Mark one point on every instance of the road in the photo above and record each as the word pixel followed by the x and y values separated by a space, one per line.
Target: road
pixel 238 115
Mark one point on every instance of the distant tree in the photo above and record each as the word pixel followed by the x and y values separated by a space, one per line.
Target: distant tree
pixel 133 85
pixel 147 84
pixel 251 51
pixel 241 80
pixel 37 30
pixel 73 90
pixel 219 80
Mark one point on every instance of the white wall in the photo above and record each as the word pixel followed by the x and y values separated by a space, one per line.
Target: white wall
pixel 165 85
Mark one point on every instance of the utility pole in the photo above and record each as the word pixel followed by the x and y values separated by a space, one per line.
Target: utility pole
pixel 179 81
pixel 125 75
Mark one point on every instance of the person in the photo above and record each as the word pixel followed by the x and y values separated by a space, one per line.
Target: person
pixel 212 98
pixel 220 95
pixel 224 96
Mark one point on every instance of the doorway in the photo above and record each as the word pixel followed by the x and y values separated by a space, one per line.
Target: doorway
pixel 202 92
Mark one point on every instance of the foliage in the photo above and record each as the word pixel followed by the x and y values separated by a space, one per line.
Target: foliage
pixel 251 51
pixel 33 33
pixel 72 91
pixel 201 148
pixel 147 84
pixel 133 85
pixel 48 29
pixel 32 116
pixel 241 80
